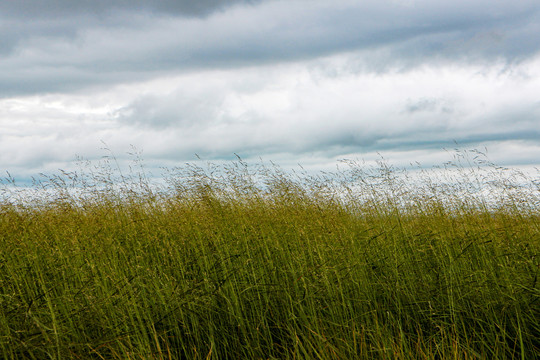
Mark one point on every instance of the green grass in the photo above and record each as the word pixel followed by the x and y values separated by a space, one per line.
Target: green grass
pixel 251 262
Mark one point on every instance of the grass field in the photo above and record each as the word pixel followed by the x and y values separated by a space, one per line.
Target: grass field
pixel 243 261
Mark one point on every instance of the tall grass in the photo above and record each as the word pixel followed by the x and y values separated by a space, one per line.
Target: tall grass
pixel 242 261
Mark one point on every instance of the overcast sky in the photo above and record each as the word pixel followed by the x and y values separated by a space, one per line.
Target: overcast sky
pixel 292 81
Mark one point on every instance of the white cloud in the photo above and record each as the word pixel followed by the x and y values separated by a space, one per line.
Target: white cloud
pixel 297 110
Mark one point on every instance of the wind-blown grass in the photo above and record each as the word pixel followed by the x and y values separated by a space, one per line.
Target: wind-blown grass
pixel 251 262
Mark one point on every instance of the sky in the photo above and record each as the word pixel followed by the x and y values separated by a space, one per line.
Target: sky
pixel 290 81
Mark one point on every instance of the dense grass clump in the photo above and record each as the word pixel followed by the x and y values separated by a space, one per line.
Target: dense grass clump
pixel 252 262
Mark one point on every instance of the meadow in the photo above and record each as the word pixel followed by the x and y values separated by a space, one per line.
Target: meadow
pixel 248 261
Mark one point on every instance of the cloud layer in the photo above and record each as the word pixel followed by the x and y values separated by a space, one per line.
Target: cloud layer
pixel 291 80
pixel 74 45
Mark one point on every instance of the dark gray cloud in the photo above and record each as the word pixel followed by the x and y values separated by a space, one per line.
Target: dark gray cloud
pixel 61 8
pixel 56 46
pixel 25 20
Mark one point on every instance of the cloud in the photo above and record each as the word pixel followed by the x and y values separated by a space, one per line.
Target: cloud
pixel 180 109
pixel 297 109
pixel 306 81
pixel 427 104
pixel 61 8
pixel 133 42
